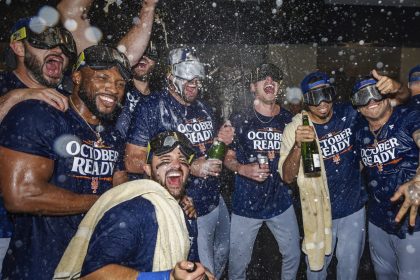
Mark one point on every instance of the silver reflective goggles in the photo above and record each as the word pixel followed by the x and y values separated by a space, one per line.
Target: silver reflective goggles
pixel 366 94
pixel 315 96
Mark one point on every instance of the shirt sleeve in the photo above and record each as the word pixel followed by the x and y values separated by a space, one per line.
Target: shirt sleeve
pixel 32 127
pixel 126 235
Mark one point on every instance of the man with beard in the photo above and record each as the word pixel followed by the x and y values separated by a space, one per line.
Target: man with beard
pixel 54 164
pixel 178 108
pixel 260 195
pixel 39 61
pixel 333 126
pixel 134 224
pixel 139 88
pixel 388 141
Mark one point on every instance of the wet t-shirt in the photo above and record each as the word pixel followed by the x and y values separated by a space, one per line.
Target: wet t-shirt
pixel 132 97
pixel 161 112
pixel 81 165
pixel 256 136
pixel 389 162
pixel 336 139
pixel 126 235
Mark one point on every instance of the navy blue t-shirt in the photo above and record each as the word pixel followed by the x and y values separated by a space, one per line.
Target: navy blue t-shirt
pixel 8 82
pixel 161 112
pixel 126 235
pixel 132 97
pixel 336 139
pixel 415 102
pixel 259 136
pixel 387 165
pixel 80 166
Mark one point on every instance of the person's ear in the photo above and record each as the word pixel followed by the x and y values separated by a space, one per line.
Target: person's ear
pixel 147 169
pixel 18 48
pixel 252 88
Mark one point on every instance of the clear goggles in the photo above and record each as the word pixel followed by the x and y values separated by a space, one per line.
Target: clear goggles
pixel 366 94
pixel 50 38
pixel 102 57
pixel 189 70
pixel 166 142
pixel 314 97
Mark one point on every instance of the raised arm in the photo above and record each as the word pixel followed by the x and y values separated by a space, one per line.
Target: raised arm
pixel 134 43
pixel 24 182
pixel 74 17
pixel 398 93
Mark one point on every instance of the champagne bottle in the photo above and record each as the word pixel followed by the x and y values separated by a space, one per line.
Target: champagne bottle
pixel 310 155
pixel 217 150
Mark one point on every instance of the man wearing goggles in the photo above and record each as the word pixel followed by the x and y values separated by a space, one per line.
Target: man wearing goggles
pixel 260 196
pixel 70 158
pixel 414 86
pixel 38 60
pixel 178 108
pixel 387 141
pixel 149 209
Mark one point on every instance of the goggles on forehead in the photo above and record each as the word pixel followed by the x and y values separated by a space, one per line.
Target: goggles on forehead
pixel 189 70
pixel 102 57
pixel 151 51
pixel 314 97
pixel 166 142
pixel 364 95
pixel 50 38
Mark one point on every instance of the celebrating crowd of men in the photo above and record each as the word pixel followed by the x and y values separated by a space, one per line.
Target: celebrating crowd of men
pixel 75 201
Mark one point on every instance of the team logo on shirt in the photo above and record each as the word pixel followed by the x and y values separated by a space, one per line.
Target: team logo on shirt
pixel 92 163
pixel 381 154
pixel 266 139
pixel 131 98
pixel 198 130
pixel 334 144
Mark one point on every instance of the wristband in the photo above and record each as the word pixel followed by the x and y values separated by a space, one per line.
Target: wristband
pixel 158 275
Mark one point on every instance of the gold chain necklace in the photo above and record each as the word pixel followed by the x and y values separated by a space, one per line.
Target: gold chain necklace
pixel 99 142
pixel 256 115
pixel 375 135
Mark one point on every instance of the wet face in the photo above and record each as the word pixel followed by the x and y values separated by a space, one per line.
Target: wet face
pixel 375 110
pixel 102 91
pixel 322 112
pixel 46 66
pixel 191 89
pixel 266 90
pixel 143 68
pixel 414 87
pixel 171 171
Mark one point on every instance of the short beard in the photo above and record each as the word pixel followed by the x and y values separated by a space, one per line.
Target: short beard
pixel 141 78
pixel 35 67
pixel 90 103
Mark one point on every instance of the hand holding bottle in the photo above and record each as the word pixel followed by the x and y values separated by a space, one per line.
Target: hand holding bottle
pixel 226 133
pixel 255 171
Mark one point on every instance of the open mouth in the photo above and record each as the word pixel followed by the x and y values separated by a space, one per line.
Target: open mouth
pixel 54 66
pixel 269 89
pixel 174 178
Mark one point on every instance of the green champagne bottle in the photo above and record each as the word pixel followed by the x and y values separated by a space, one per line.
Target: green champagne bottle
pixel 310 155
pixel 217 150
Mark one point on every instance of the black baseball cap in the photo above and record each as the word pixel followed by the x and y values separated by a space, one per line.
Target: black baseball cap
pixel 167 141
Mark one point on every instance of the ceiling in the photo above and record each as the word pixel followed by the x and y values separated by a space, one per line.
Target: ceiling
pixel 328 22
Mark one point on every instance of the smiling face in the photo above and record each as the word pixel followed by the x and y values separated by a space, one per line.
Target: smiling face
pixel 45 66
pixel 376 110
pixel 266 90
pixel 101 91
pixel 171 171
